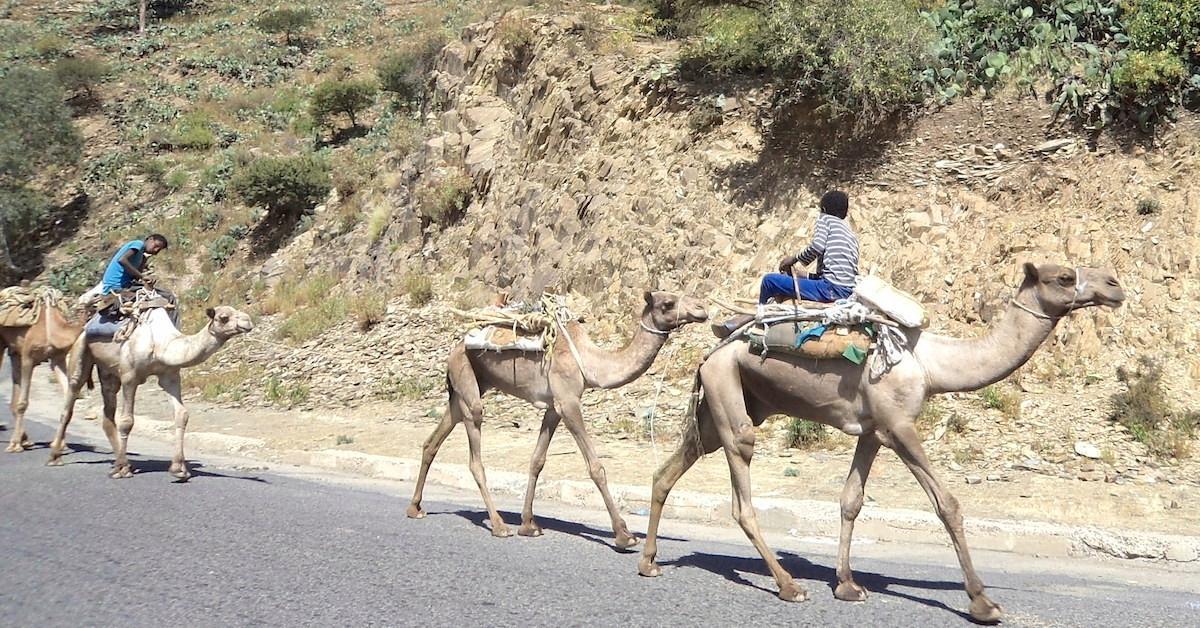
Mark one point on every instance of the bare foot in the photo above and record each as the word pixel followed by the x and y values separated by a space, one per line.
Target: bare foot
pixel 849 591
pixel 414 512
pixel 530 528
pixel 647 567
pixel 792 592
pixel 984 610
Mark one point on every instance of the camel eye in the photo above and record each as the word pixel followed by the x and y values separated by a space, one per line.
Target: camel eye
pixel 668 304
pixel 1066 279
pixel 224 318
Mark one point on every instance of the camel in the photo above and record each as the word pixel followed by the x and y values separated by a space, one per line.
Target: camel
pixel 156 347
pixel 557 387
pixel 50 338
pixel 741 390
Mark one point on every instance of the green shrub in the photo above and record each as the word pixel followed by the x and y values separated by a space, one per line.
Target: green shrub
pixel 731 40
pixel 1148 206
pixel 1002 399
pixel 78 275
pixel 176 179
pixel 402 75
pixel 1167 25
pixel 335 97
pixel 802 433
pixel 287 21
pixel 50 45
pixel 419 288
pixel 1152 82
pixel 284 185
pixel 221 249
pixel 1143 408
pixel 35 126
pixel 80 74
pixel 442 198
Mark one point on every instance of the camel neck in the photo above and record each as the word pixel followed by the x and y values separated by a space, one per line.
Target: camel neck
pixel 962 364
pixel 184 351
pixel 613 369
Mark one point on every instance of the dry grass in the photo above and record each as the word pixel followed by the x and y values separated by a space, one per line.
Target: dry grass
pixel 368 309
pixel 1002 399
pixel 419 288
pixel 225 384
pixel 401 388
pixel 1144 409
pixel 292 294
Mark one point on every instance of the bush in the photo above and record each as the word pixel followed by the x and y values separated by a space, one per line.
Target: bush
pixel 401 74
pixel 419 288
pixel 286 21
pixel 221 249
pixel 443 198
pixel 35 126
pixel 997 398
pixel 176 179
pixel 349 97
pixel 50 45
pixel 284 185
pixel 368 310
pixel 1168 25
pixel 802 433
pixel 1143 408
pixel 1148 206
pixel 1151 82
pixel 80 74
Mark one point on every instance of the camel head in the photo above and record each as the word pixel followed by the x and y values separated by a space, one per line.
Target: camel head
pixel 225 322
pixel 667 311
pixel 1060 290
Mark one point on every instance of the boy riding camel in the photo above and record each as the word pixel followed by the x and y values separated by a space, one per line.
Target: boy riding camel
pixel 834 247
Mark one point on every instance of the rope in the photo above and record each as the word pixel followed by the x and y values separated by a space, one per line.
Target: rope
pixel 653 416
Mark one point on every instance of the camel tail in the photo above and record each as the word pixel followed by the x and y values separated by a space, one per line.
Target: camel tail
pixel 76 364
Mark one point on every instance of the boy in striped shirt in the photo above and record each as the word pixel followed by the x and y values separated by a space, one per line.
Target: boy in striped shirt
pixel 835 249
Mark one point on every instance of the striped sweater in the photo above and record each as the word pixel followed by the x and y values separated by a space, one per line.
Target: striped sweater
pixel 835 246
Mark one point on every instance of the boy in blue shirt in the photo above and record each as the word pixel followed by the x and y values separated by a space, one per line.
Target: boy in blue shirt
pixel 130 263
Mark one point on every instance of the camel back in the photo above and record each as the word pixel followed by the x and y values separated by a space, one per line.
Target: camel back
pixel 21 306
pixel 812 340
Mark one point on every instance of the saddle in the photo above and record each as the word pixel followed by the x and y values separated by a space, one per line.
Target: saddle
pixel 498 338
pixel 813 339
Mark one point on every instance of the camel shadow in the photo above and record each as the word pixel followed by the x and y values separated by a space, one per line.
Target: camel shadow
pixel 732 569
pixel 162 466
pixel 588 533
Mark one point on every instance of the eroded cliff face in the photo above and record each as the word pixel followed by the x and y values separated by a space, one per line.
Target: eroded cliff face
pixel 591 176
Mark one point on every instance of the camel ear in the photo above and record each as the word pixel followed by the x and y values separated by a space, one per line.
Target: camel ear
pixel 210 312
pixel 649 297
pixel 1031 271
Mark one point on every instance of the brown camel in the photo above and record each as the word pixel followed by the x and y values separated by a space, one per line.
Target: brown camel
pixel 50 337
pixel 557 387
pixel 156 347
pixel 741 390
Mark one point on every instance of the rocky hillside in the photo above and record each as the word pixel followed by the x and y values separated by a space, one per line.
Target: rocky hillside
pixel 565 152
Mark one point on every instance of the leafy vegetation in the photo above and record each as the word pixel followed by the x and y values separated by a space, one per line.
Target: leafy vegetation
pixel 285 20
pixel 1144 409
pixel 341 97
pixel 288 185
pixel 802 433
pixel 80 74
pixel 1002 399
pixel 442 196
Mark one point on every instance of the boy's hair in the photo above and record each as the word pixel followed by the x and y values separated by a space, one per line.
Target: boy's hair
pixel 162 239
pixel 835 203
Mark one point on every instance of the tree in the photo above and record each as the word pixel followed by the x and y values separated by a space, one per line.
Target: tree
pixel 348 97
pixel 285 186
pixel 400 74
pixel 286 21
pixel 35 132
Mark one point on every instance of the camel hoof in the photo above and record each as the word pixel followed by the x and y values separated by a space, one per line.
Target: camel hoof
pixel 625 540
pixel 530 529
pixel 850 591
pixel 14 448
pixel 180 472
pixel 501 530
pixel 792 592
pixel 54 461
pixel 648 568
pixel 984 610
pixel 121 473
pixel 414 512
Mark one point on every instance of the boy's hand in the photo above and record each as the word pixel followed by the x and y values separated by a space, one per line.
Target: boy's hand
pixel 785 264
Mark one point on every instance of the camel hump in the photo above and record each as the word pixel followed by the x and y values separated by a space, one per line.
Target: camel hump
pixel 898 305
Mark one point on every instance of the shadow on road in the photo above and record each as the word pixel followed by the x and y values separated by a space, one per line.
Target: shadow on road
pixel 732 567
pixel 596 535
pixel 153 466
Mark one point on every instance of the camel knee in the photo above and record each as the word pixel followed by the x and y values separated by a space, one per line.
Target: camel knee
pixel 852 502
pixel 536 466
pixel 124 426
pixel 596 471
pixel 950 512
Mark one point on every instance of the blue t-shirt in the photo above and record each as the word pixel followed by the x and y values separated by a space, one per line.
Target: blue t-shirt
pixel 115 276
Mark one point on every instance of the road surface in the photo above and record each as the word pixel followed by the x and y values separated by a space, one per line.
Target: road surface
pixel 247 544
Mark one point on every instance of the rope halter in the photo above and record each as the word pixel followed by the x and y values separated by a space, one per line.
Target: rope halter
pixel 1080 284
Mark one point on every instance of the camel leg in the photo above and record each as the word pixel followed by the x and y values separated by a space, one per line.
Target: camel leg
pixel 572 414
pixel 664 480
pixel 121 466
pixel 22 376
pixel 907 444
pixel 852 501
pixel 173 387
pixel 74 386
pixel 736 431
pixel 499 528
pixel 550 421
pixel 109 387
pixel 428 452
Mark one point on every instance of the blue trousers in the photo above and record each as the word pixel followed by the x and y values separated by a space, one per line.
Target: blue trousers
pixel 777 285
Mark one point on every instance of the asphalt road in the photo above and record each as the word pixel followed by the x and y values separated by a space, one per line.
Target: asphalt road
pixel 244 544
